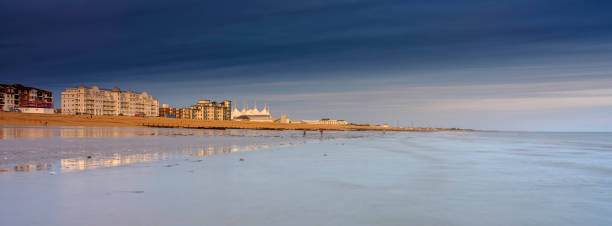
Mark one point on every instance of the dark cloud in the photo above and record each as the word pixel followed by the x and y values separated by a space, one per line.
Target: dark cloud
pixel 68 41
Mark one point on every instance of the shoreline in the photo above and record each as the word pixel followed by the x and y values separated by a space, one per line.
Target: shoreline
pixel 78 151
pixel 30 119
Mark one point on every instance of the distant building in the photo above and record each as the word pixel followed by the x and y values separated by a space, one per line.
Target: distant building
pixel 253 114
pixel 22 98
pixel 326 121
pixel 207 110
pixel 96 101
pixel 168 112
pixel 284 119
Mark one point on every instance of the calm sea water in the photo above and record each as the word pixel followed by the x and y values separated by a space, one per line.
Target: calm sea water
pixel 140 176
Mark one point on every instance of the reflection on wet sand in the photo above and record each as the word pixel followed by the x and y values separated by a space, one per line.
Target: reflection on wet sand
pixel 24 149
pixel 29 167
pixel 216 149
pixel 117 159
pixel 74 132
pixel 77 164
pixel 43 132
pixel 117 132
pixel 11 133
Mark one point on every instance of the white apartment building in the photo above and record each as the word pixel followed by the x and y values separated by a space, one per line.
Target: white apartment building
pixel 96 101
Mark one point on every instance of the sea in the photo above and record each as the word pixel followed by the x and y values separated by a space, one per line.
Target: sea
pixel 165 176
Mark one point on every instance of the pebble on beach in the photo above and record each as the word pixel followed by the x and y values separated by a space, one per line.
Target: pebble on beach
pixel 241 159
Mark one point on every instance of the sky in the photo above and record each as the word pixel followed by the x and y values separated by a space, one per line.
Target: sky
pixel 529 65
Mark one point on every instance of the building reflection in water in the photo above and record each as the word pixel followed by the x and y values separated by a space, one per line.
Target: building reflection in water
pixel 11 133
pixel 220 149
pixel 30 167
pixel 78 164
pixel 43 132
pixel 124 157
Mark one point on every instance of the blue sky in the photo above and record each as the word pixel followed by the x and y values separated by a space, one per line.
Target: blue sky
pixel 507 65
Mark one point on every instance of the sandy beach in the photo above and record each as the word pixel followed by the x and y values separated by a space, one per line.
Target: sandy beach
pixel 25 119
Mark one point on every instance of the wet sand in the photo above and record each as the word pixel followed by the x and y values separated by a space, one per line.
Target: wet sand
pixel 60 148
pixel 391 179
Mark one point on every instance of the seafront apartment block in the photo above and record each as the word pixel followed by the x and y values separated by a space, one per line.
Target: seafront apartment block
pixel 96 101
pixel 207 110
pixel 26 99
pixel 203 110
pixel 168 112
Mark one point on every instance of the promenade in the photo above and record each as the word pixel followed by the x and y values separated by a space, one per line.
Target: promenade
pixel 25 119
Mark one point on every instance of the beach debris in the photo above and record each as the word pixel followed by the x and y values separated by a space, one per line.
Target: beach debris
pixel 171 165
pixel 325 154
pixel 52 173
pixel 199 160
pixel 3 170
pixel 89 156
pixel 241 159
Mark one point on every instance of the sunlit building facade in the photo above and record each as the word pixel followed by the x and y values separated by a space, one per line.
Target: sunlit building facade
pixel 168 112
pixel 25 99
pixel 96 101
pixel 207 110
pixel 203 110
